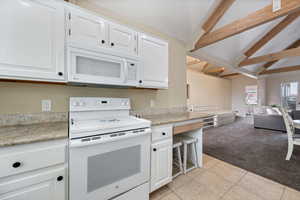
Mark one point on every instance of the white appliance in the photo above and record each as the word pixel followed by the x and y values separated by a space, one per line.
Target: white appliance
pixel 94 67
pixel 109 150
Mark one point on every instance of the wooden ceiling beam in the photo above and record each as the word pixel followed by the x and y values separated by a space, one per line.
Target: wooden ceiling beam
pixel 205 67
pixel 229 75
pixel 255 19
pixel 281 70
pixel 194 62
pixel 217 14
pixel 215 71
pixel 271 57
pixel 269 64
pixel 272 33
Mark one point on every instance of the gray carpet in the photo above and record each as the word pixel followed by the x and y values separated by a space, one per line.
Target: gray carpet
pixel 256 150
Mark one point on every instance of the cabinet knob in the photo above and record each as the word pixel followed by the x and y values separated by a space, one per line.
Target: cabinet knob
pixel 112 44
pixel 16 165
pixel 140 81
pixel 163 133
pixel 60 73
pixel 154 149
pixel 60 178
pixel 102 41
pixel 132 64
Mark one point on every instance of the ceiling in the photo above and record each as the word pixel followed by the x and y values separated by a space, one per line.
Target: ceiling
pixel 182 19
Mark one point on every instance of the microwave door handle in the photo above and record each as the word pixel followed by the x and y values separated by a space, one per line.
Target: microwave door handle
pixel 125 71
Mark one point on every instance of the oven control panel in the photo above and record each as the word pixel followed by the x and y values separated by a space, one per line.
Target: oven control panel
pixel 97 139
pixel 98 103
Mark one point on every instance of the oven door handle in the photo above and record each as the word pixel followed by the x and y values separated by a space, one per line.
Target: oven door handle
pixel 77 143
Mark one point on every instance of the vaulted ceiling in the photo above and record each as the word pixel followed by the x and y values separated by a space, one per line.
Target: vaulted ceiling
pixel 183 19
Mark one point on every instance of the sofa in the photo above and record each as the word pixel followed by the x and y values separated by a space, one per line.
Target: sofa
pixel 268 118
pixel 296 116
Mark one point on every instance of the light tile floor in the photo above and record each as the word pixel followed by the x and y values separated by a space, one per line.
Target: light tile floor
pixel 218 180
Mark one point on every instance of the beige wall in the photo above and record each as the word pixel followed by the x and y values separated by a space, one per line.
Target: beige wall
pixel 238 93
pixel 208 90
pixel 274 83
pixel 26 98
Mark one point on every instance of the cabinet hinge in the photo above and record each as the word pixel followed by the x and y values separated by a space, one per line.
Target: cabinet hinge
pixel 69 16
pixel 70 32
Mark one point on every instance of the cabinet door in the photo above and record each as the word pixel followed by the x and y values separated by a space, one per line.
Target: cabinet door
pixel 154 55
pixel 32 40
pixel 161 164
pixel 86 30
pixel 123 39
pixel 48 185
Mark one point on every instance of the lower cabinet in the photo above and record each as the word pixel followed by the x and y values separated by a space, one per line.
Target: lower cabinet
pixel 47 185
pixel 161 162
pixel 34 171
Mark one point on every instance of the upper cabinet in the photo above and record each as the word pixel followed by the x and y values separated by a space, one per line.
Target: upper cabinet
pixel 32 40
pixel 154 59
pixel 123 39
pixel 85 29
pixel 59 42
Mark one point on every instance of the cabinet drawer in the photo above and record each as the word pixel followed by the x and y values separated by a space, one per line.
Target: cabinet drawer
pixel 24 158
pixel 161 132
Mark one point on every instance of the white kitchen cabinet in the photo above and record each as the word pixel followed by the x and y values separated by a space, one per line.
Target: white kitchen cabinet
pixel 85 29
pixel 123 39
pixel 161 156
pixel 154 59
pixel 27 174
pixel 47 185
pixel 93 32
pixel 32 40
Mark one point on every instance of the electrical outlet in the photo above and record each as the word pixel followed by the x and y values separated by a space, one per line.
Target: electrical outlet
pixel 46 105
pixel 276 5
pixel 152 103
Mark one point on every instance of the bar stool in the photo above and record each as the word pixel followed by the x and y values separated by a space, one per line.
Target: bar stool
pixel 187 140
pixel 177 161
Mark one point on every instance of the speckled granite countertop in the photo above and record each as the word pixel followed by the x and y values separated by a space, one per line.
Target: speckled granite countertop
pixel 23 134
pixel 160 119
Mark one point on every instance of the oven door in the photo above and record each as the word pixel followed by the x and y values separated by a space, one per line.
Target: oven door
pixel 102 171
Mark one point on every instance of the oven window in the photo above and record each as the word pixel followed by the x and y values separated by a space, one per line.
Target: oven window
pixel 111 167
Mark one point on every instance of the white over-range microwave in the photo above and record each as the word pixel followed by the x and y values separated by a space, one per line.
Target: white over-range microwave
pixel 94 67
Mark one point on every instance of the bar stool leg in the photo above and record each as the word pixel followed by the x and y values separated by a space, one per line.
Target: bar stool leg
pixel 179 159
pixel 184 158
pixel 196 155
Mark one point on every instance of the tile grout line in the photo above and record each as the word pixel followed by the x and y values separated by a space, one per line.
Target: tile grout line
pixel 282 195
pixel 235 184
pixel 175 193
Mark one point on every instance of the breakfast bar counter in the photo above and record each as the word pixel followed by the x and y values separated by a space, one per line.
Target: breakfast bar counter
pixel 167 118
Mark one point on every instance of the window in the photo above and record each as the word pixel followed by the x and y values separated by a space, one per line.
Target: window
pixel 289 95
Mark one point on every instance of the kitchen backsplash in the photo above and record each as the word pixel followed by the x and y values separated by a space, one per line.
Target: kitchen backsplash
pixel 45 117
pixel 33 118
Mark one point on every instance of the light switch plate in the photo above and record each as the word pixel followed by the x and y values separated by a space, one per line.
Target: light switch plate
pixel 46 105
pixel 276 5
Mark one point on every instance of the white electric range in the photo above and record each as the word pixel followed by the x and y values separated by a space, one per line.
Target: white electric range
pixel 109 150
